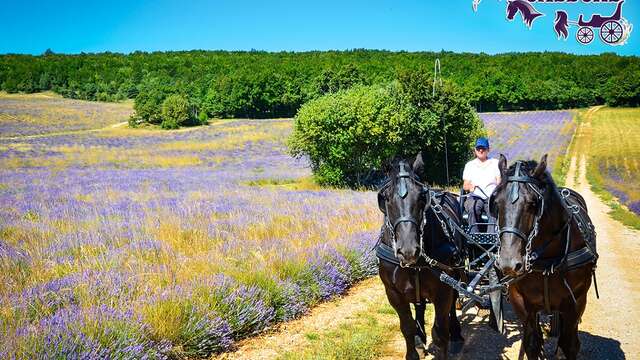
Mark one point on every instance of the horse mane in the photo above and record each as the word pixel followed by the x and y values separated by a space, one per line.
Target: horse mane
pixel 392 169
pixel 527 168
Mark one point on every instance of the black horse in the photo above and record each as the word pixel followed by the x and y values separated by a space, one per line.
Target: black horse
pixel 415 248
pixel 547 251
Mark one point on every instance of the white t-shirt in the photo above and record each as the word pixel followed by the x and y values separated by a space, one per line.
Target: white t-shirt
pixel 483 175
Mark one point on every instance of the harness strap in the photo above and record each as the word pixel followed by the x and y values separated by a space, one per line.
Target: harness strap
pixel 418 298
pixel 547 303
pixel 404 219
pixel 524 179
pixel 385 252
pixel 573 297
pixel 577 258
pixel 595 283
pixel 512 230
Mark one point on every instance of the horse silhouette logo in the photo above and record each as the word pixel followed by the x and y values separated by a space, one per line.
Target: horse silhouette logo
pixel 613 30
pixel 528 12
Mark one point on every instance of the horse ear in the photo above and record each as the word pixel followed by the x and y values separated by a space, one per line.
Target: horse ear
pixel 418 166
pixel 492 206
pixel 386 167
pixel 502 165
pixel 542 166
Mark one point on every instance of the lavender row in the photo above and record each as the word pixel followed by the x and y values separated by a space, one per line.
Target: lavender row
pixel 529 135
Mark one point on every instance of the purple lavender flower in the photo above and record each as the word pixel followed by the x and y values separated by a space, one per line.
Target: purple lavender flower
pixel 635 207
pixel 205 333
pixel 90 333
pixel 529 135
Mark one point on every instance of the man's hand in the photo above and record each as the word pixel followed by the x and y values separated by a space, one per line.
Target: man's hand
pixel 468 186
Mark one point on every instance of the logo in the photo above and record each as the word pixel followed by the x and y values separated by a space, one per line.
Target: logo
pixel 612 29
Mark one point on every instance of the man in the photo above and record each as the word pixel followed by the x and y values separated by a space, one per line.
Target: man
pixel 481 176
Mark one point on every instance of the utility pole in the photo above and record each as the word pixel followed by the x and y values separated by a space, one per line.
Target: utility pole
pixel 437 80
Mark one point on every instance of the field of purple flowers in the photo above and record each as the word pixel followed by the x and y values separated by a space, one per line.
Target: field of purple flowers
pixel 529 135
pixel 614 153
pixel 141 243
pixel 44 114
pixel 152 243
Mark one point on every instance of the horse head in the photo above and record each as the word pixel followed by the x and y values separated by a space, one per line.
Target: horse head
pixel 403 200
pixel 512 10
pixel 518 203
pixel 528 12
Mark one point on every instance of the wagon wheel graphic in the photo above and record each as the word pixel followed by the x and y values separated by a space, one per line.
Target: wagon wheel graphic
pixel 584 35
pixel 611 32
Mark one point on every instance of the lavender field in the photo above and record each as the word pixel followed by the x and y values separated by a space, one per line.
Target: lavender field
pixel 143 243
pixel 529 135
pixel 49 113
pixel 614 154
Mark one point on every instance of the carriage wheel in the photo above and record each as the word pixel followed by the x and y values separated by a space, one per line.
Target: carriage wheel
pixel 584 35
pixel 611 32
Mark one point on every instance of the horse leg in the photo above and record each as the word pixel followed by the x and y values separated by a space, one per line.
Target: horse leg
pixel 420 309
pixel 532 335
pixel 569 341
pixel 407 324
pixel 440 330
pixel 455 330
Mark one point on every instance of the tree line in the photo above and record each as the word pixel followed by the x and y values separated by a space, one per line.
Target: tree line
pixel 258 84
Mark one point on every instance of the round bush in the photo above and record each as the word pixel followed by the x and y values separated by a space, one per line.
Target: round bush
pixel 175 112
pixel 350 134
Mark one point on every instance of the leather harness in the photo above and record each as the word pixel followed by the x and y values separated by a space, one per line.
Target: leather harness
pixel 569 260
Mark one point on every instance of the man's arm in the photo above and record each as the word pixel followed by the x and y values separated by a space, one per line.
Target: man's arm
pixel 467 185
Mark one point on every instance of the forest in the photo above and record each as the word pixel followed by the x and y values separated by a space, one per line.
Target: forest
pixel 258 84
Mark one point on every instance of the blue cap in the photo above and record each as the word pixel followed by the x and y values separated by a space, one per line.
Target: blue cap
pixel 482 142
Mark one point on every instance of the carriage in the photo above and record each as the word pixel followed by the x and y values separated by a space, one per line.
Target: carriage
pixel 481 287
pixel 611 28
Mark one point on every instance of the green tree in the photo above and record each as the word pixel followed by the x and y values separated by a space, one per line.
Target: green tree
pixel 175 112
pixel 350 134
pixel 623 90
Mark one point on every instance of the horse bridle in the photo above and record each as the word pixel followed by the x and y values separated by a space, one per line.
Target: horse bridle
pixel 402 191
pixel 535 185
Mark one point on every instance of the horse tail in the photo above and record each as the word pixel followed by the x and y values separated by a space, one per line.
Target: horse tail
pixel 562 24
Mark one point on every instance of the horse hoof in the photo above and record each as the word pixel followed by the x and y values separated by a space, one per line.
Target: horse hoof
pixel 413 356
pixel 418 341
pixel 455 347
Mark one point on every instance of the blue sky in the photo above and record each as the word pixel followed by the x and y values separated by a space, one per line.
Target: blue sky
pixel 430 25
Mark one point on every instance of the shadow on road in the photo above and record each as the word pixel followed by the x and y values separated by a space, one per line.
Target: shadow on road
pixel 482 342
pixel 599 347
